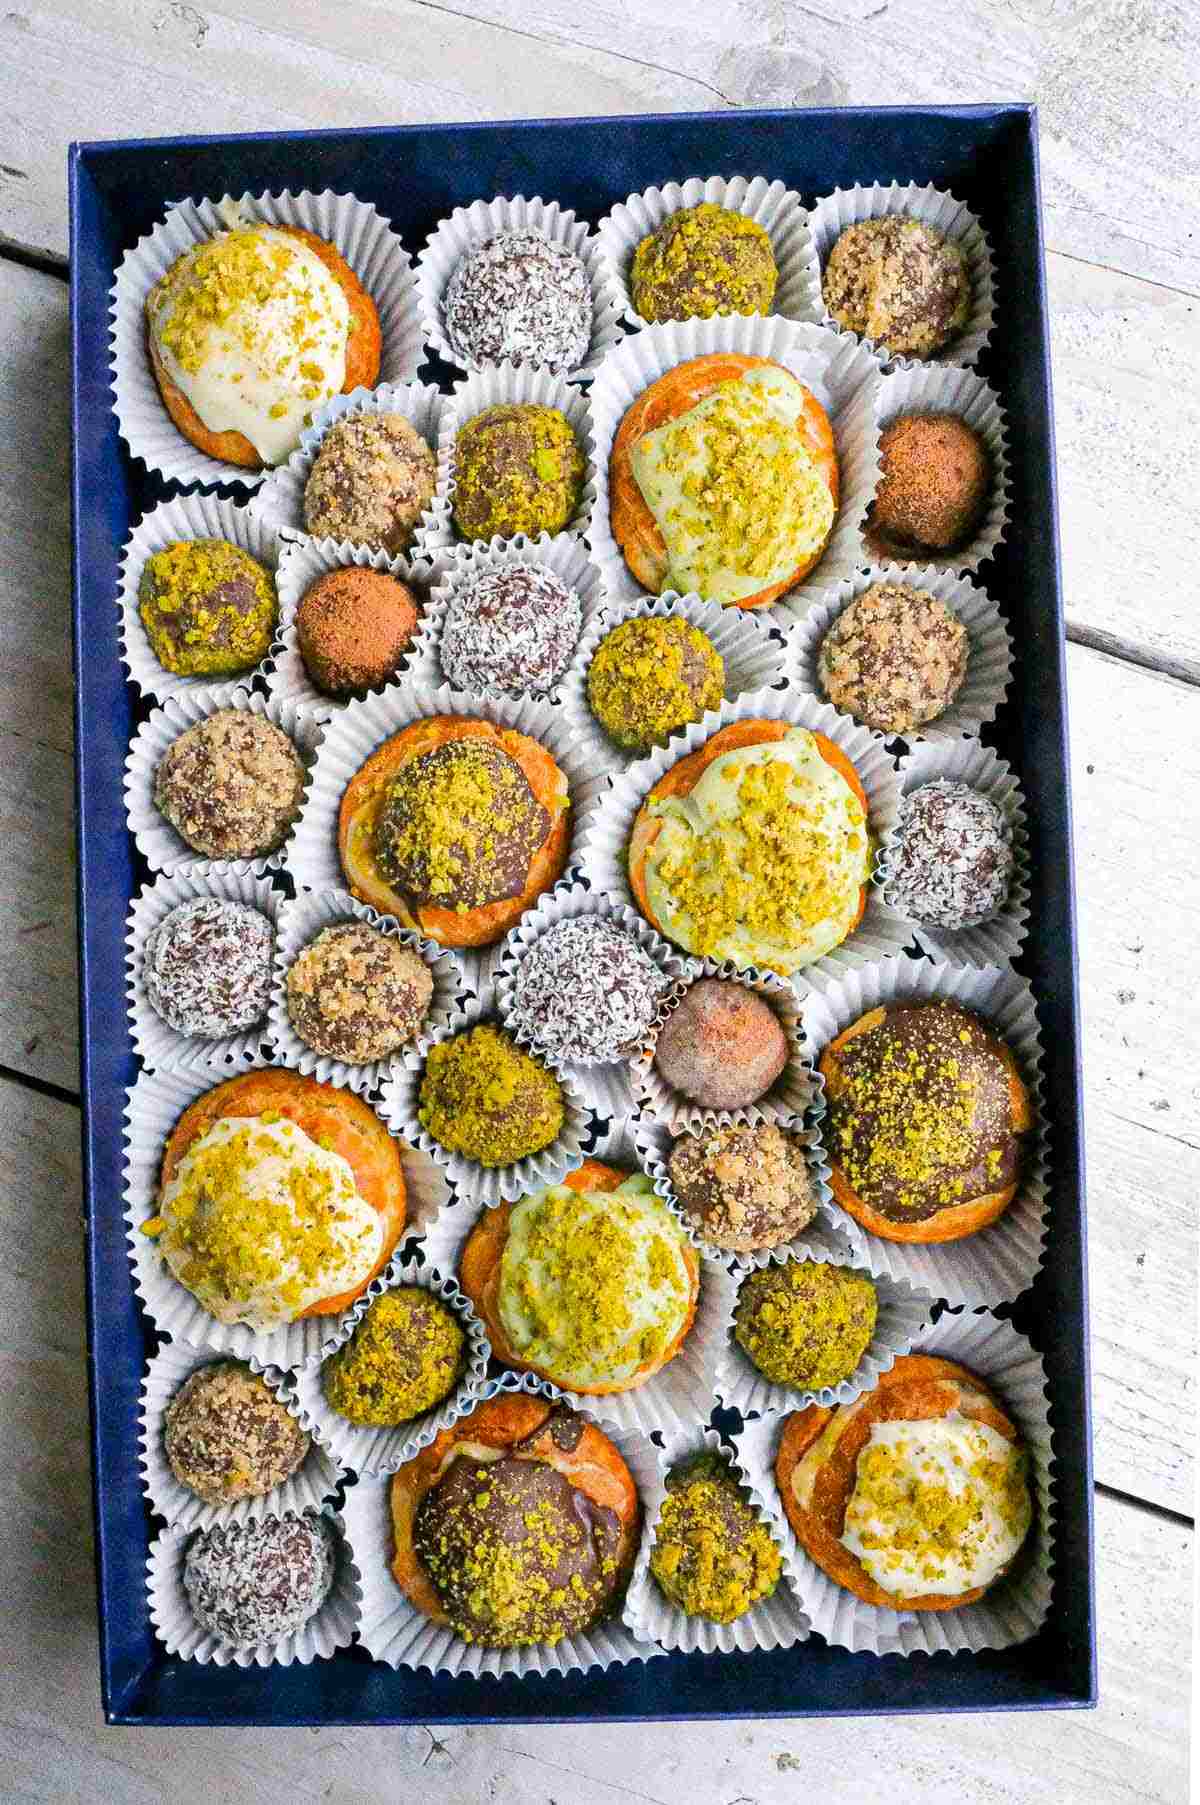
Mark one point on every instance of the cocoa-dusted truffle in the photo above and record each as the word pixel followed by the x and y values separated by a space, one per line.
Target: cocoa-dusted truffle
pixel 255 1582
pixel 743 1187
pixel 231 785
pixel 950 863
pixel 512 628
pixel 209 608
pixel 406 1355
pixel 483 1097
pixel 227 1436
pixel 899 282
pixel 357 994
pixel 805 1324
pixel 518 468
pixel 651 676
pixel 354 625
pixel 701 261
pixel 712 1555
pixel 935 472
pixel 894 658
pixel 207 967
pixel 371 481
pixel 722 1045
pixel 586 991
pixel 521 298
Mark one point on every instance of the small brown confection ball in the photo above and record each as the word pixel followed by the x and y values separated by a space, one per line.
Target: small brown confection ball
pixel 518 468
pixel 254 1582
pixel 227 1436
pixel 357 994
pixel 894 658
pixel 745 1187
pixel 933 484
pixel 371 481
pixel 723 1046
pixel 806 1324
pixel 700 261
pixel 231 785
pixel 899 282
pixel 354 625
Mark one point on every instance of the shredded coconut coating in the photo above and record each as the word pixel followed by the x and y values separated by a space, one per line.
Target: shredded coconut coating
pixel 805 1324
pixel 586 992
pixel 951 861
pixel 702 261
pixel 899 282
pixel 650 677
pixel 209 608
pixel 483 1097
pixel 513 629
pixel 520 297
pixel 227 1436
pixel 406 1355
pixel 712 1555
pixel 255 1582
pixel 357 994
pixel 231 785
pixel 894 658
pixel 744 1187
pixel 371 481
pixel 518 468
pixel 207 967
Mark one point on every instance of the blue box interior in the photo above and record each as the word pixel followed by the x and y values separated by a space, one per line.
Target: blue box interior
pixel 987 156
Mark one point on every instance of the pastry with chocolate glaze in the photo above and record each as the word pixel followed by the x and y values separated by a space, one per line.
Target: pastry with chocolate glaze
pixel 899 282
pixel 745 1188
pixel 934 475
pixel 895 658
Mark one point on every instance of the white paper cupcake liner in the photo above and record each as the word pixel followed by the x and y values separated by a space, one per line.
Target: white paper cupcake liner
pixel 831 215
pixel 774 1622
pixel 161 847
pixel 467 228
pixel 185 517
pixel 300 921
pixel 366 242
pixel 842 375
pixel 155 1041
pixel 330 1628
pixel 989 649
pixel 383 1450
pixel 1018 1605
pixel 753 655
pixel 315 1480
pixel 999 1262
pixel 564 556
pixel 504 383
pixel 994 942
pixel 775 207
pixel 153 1106
pixel 881 933
pixel 360 728
pixel 945 389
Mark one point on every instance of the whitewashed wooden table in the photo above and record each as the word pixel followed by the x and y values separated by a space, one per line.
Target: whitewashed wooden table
pixel 1118 84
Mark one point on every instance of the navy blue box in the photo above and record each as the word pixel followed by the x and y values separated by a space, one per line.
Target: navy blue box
pixel 987 155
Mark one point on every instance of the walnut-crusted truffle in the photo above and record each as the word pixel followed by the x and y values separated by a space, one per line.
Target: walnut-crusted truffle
pixel 520 297
pixel 895 658
pixel 371 481
pixel 518 468
pixel 230 785
pixel 951 860
pixel 701 261
pixel 254 1582
pixel 405 1356
pixel 483 1097
pixel 934 476
pixel 354 625
pixel 722 1045
pixel 743 1187
pixel 712 1555
pixel 899 282
pixel 586 991
pixel 806 1324
pixel 357 994
pixel 227 1436
pixel 207 967
pixel 209 608
pixel 512 628
pixel 651 676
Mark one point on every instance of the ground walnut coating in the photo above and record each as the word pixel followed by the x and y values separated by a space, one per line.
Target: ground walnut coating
pixel 743 1187
pixel 701 261
pixel 805 1324
pixel 484 1098
pixel 899 282
pixel 518 468
pixel 512 628
pixel 209 608
pixel 520 298
pixel 207 967
pixel 894 658
pixel 586 991
pixel 371 481
pixel 227 1436
pixel 357 994
pixel 950 863
pixel 255 1582
pixel 353 626
pixel 406 1355
pixel 721 1045
pixel 231 785
pixel 934 476
pixel 712 1555
pixel 651 676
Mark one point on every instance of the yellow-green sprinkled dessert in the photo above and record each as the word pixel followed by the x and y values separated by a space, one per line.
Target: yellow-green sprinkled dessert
pixel 712 1556
pixel 209 608
pixel 805 1324
pixel 701 261
pixel 651 676
pixel 518 468
pixel 485 1098
pixel 405 1356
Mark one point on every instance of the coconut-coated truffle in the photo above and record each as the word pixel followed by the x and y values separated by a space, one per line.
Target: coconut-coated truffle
pixel 935 472
pixel 227 1436
pixel 512 628
pixel 651 676
pixel 518 468
pixel 207 967
pixel 208 607
pixel 894 658
pixel 586 991
pixel 722 1045
pixel 371 481
pixel 712 1555
pixel 354 625
pixel 230 785
pixel 254 1582
pixel 483 1097
pixel 951 859
pixel 701 261
pixel 405 1356
pixel 805 1324
pixel 744 1187
pixel 519 297
pixel 899 282
pixel 357 994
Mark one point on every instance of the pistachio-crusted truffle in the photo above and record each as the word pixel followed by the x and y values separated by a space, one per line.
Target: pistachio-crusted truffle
pixel 230 785
pixel 899 282
pixel 586 991
pixel 744 1187
pixel 354 626
pixel 207 967
pixel 371 481
pixel 522 298
pixel 934 475
pixel 512 628
pixel 650 677
pixel 209 608
pixel 894 658
pixel 227 1436
pixel 518 468
pixel 254 1582
pixel 722 1045
pixel 483 1097
pixel 357 994
pixel 712 1555
pixel 700 261
pixel 405 1356
pixel 805 1324
pixel 951 861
